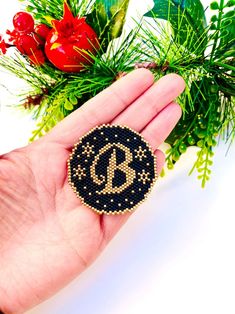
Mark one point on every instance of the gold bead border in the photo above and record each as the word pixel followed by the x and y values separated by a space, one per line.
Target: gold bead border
pixel 118 212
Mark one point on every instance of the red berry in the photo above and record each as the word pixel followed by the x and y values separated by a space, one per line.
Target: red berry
pixel 26 44
pixel 39 39
pixel 23 22
pixel 37 57
pixel 42 31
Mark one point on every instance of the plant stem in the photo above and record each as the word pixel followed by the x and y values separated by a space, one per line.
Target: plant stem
pixel 218 28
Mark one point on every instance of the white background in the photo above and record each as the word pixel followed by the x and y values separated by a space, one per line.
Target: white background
pixel 175 255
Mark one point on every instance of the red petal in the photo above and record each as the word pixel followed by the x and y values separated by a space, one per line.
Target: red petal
pixel 56 24
pixel 13 35
pixel 3 46
pixel 68 15
pixel 80 20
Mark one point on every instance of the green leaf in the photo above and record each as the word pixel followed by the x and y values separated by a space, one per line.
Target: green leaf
pixel 213 27
pixel 187 18
pixel 73 99
pixel 227 39
pixel 229 14
pixel 67 105
pixel 214 5
pixel 107 18
pixel 230 3
pixel 214 18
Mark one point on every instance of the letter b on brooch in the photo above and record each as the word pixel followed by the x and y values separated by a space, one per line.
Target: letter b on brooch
pixel 112 169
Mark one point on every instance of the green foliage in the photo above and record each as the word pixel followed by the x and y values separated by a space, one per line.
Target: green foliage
pixel 214 5
pixel 230 3
pixel 203 55
pixel 188 21
pixel 227 33
pixel 223 27
pixel 108 18
pixel 69 92
pixel 43 10
pixel 208 102
pixel 203 163
pixel 46 10
pixel 200 127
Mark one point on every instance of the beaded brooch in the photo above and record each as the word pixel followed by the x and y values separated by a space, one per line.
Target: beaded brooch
pixel 112 169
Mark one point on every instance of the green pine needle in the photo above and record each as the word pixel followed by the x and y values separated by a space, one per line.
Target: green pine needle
pixel 207 65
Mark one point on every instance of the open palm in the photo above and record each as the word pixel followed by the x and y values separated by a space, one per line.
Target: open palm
pixel 47 237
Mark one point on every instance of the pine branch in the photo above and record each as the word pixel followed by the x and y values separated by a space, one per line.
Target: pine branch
pixel 208 102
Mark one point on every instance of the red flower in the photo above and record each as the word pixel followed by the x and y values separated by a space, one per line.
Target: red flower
pixel 70 43
pixel 13 35
pixel 3 45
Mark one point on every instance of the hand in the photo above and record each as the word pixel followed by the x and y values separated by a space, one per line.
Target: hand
pixel 47 237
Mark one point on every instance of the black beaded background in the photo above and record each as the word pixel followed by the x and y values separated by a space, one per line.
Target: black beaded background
pixel 87 189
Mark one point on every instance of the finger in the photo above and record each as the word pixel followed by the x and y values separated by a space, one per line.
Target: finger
pixel 160 160
pixel 146 107
pixel 111 224
pixel 103 108
pixel 160 127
